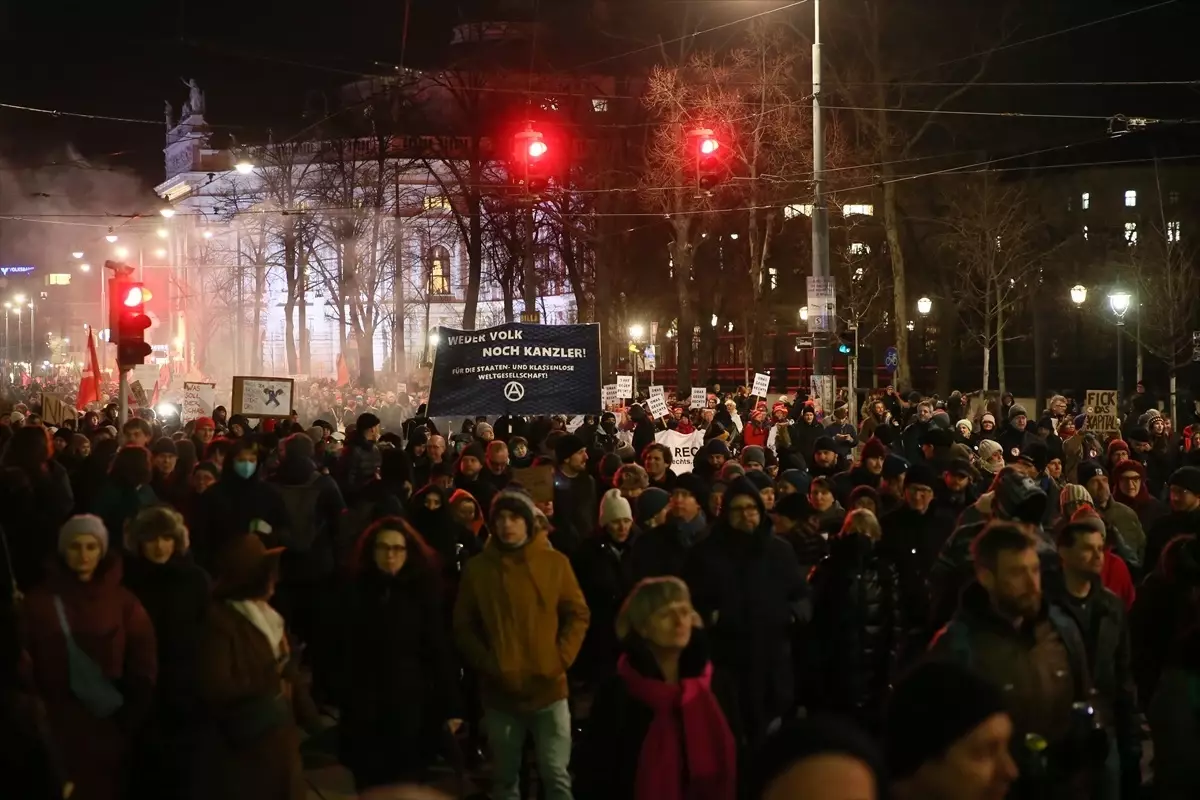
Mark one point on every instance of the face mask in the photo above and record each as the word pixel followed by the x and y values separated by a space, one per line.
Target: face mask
pixel 245 468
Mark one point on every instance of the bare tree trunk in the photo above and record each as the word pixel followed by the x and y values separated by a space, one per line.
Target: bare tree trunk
pixel 891 222
pixel 528 265
pixel 474 250
pixel 1000 341
pixel 682 255
pixel 947 336
pixel 293 284
pixel 302 314
pixel 260 292
pixel 987 352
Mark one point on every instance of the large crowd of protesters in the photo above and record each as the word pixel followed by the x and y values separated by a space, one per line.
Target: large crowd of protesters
pixel 933 604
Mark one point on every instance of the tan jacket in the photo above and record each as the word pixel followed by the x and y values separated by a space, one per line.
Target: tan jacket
pixel 519 622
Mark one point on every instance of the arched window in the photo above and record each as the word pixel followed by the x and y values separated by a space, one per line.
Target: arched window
pixel 439 271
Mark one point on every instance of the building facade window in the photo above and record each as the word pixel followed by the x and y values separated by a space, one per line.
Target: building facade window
pixel 1173 198
pixel 58 279
pixel 1085 233
pixel 439 271
pixel 859 248
pixel 797 210
pixel 862 209
pixel 1085 201
pixel 1173 232
pixel 435 201
pixel 1131 198
pixel 599 104
pixel 1131 233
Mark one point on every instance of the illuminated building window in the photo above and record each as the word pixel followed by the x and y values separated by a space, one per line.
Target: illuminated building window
pixel 797 210
pixel 1131 233
pixel 432 201
pixel 58 279
pixel 1173 232
pixel 1086 201
pixel 1131 198
pixel 866 210
pixel 600 104
pixel 1085 233
pixel 859 248
pixel 439 271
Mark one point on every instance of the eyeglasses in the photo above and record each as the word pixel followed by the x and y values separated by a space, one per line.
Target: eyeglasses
pixel 390 549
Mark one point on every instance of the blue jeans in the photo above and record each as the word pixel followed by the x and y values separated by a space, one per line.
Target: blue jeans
pixel 551 730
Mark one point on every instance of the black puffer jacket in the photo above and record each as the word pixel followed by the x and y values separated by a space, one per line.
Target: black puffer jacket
pixel 911 542
pixel 856 628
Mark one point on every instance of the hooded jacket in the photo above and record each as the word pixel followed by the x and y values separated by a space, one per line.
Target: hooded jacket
pixel 856 628
pixel 747 588
pixel 519 621
pixel 604 569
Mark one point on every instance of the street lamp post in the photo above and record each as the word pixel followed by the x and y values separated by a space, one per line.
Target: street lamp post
pixel 1119 301
pixel 7 345
pixel 1079 297
pixel 32 337
pixel 636 332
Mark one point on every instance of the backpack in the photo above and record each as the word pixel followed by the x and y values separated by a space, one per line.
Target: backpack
pixel 301 504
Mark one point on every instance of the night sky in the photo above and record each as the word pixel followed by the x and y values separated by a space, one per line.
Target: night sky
pixel 257 61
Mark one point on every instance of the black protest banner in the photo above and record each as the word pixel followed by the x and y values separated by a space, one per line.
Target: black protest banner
pixel 517 369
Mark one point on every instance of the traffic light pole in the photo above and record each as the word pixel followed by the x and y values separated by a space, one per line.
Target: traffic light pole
pixel 123 403
pixel 820 212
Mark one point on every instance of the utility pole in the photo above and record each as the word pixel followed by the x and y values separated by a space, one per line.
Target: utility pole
pixel 821 284
pixel 399 243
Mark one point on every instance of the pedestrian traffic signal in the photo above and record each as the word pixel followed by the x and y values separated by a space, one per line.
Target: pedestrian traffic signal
pixel 709 161
pixel 128 321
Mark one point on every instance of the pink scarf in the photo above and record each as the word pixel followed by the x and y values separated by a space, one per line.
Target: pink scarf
pixel 711 764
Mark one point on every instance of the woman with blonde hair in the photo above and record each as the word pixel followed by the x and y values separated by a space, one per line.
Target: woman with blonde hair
pixel 657 731
pixel 856 625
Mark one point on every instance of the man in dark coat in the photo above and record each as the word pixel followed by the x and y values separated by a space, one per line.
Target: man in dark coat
pixel 1100 616
pixel 1006 632
pixel 1016 436
pixel 1184 496
pixel 746 587
pixel 912 536
pixel 575 504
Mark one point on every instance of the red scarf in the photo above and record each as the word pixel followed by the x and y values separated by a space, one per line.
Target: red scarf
pixel 711 758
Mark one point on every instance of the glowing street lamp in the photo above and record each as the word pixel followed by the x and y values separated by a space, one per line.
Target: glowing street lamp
pixel 636 331
pixel 1119 301
pixel 924 306
pixel 804 313
pixel 243 167
pixel 111 238
pixel 85 267
pixel 121 252
pixel 77 254
pixel 167 212
pixel 1078 294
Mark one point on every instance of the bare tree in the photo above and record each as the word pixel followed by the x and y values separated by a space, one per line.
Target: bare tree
pixel 1168 294
pixel 993 234
pixel 885 43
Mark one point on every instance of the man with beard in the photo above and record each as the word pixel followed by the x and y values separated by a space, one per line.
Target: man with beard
pixel 1125 529
pixel 469 475
pixel 956 490
pixel 825 460
pixel 868 472
pixel 1016 437
pixel 915 432
pixel 1007 633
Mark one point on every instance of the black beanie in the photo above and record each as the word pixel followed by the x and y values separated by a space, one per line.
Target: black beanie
pixel 931 708
pixel 808 738
pixel 567 446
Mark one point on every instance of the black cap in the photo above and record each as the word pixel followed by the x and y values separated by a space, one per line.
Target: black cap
pixel 920 474
pixel 824 443
pixel 1089 469
pixel 960 466
pixel 365 422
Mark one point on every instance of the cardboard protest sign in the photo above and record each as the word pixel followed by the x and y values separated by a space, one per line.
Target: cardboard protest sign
pixel 262 397
pixel 199 399
pixel 538 481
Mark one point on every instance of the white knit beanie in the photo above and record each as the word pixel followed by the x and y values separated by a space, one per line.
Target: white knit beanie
pixel 614 507
pixel 83 525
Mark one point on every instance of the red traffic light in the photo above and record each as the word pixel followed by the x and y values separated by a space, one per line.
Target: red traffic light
pixel 135 296
pixel 708 146
pixel 537 149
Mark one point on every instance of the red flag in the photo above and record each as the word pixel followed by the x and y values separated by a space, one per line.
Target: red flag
pixel 89 383
pixel 343 378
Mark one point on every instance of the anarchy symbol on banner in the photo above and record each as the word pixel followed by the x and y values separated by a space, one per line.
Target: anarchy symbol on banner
pixel 513 391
